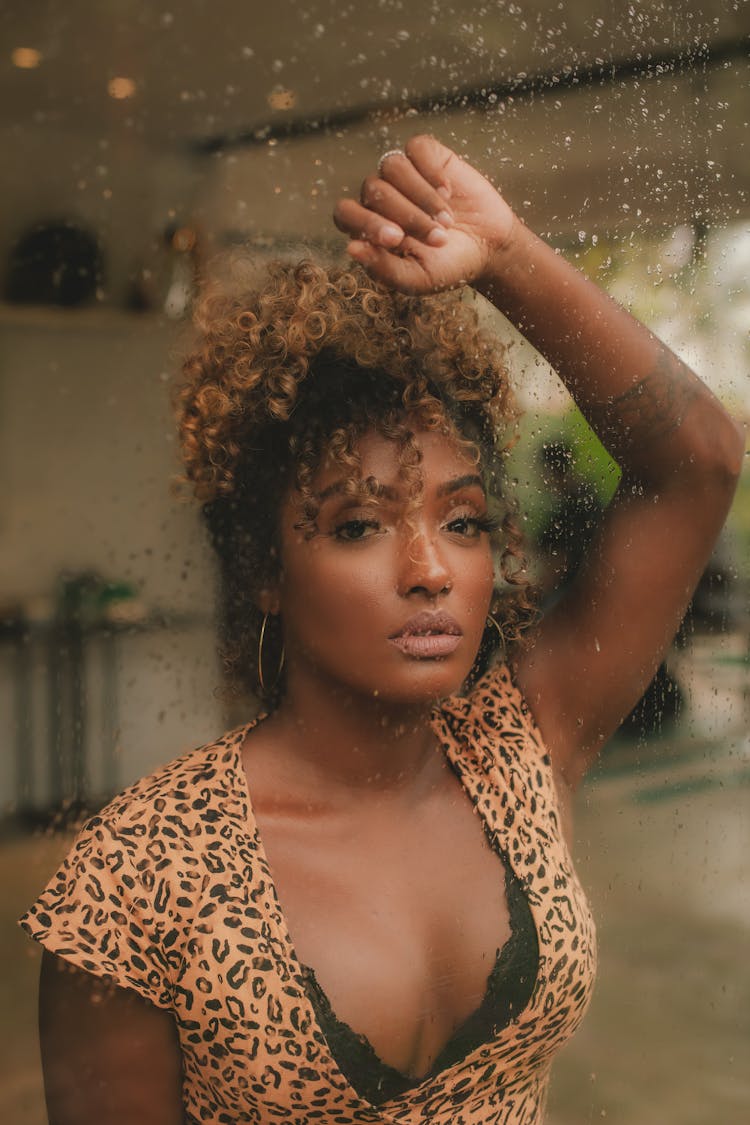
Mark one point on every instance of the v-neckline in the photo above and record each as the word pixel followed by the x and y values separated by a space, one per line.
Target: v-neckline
pixel 504 954
pixel 295 965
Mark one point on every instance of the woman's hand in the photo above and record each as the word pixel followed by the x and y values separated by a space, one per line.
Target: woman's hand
pixel 426 220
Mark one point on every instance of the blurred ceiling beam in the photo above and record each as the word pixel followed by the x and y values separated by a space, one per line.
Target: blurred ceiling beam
pixel 485 96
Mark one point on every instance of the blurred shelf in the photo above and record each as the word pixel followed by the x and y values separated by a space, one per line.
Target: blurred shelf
pixel 14 628
pixel 92 317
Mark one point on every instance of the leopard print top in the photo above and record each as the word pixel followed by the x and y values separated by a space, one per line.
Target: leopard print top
pixel 168 892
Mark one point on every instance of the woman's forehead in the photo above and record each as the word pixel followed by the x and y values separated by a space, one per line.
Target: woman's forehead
pixel 443 458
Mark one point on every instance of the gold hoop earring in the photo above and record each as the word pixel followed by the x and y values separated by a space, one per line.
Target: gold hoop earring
pixel 493 623
pixel 263 687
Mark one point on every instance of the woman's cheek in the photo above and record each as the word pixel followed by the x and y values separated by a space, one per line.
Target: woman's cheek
pixel 330 580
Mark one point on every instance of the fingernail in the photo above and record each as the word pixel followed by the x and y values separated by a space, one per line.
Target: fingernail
pixel 445 218
pixel 390 233
pixel 444 190
pixel 437 237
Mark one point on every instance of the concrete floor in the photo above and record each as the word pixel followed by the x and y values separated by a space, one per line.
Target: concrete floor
pixel 663 853
pixel 662 840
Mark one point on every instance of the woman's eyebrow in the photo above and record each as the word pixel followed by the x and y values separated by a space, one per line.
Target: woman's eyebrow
pixel 467 481
pixel 369 487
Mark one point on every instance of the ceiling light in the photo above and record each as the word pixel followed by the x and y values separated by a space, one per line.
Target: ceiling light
pixel 281 98
pixel 121 88
pixel 26 58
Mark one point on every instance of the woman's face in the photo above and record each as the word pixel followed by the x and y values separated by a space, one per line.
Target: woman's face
pixel 387 601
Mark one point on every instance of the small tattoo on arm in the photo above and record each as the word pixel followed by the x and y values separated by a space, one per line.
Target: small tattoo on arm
pixel 655 406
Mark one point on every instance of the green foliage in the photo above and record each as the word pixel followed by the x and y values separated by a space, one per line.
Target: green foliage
pixel 739 518
pixel 591 462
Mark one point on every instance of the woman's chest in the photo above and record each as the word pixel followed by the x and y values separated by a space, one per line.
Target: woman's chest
pixel 400 916
pixel 395 913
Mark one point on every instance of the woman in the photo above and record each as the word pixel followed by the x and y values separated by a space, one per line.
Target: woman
pixel 361 907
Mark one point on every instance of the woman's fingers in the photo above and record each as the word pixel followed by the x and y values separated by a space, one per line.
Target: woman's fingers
pixel 477 205
pixel 363 223
pixel 399 272
pixel 399 171
pixel 395 203
pixel 380 229
pixel 431 160
pixel 426 221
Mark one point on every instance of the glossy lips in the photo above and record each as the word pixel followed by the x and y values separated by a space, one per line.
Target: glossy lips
pixel 428 636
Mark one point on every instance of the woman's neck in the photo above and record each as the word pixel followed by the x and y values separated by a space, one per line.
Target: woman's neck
pixel 338 741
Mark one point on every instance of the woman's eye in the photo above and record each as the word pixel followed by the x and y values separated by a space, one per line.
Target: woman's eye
pixel 352 530
pixel 469 526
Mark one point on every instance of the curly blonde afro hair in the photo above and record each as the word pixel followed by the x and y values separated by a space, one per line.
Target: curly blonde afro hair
pixel 288 372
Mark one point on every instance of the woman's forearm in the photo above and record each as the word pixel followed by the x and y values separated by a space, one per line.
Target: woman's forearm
pixel 651 412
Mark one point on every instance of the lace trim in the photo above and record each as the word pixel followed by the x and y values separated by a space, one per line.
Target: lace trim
pixel 378 1081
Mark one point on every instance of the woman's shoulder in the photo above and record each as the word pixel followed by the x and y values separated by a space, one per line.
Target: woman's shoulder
pixel 197 787
pixel 138 870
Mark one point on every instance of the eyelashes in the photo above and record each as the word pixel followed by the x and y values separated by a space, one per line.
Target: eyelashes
pixel 486 523
pixel 353 530
pixel 466 526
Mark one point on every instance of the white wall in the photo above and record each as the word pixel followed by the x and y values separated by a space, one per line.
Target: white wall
pixel 87 454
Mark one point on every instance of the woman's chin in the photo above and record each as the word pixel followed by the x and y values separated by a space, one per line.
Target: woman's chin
pixel 423 682
pixel 407 680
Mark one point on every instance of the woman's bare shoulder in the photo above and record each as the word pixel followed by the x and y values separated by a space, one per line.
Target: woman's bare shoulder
pixel 209 767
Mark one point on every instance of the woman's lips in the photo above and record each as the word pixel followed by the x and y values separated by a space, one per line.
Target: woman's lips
pixel 426 646
pixel 428 635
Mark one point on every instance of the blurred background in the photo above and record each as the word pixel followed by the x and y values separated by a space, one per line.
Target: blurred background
pixel 140 139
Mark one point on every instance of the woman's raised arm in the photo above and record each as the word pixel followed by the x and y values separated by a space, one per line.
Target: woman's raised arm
pixel 680 454
pixel 427 221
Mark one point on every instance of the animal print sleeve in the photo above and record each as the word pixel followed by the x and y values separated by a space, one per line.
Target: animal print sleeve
pixel 96 913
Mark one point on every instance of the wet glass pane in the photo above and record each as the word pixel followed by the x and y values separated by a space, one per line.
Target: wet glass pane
pixel 144 146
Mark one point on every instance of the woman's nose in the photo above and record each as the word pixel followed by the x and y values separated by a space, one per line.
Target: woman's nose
pixel 423 567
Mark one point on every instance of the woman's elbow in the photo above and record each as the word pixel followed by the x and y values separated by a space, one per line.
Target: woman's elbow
pixel 717 457
pixel 730 455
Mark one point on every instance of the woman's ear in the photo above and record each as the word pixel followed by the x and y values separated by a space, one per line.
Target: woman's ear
pixel 268 599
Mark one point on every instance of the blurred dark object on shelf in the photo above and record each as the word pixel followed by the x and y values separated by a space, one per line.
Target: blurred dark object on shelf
pixel 86 598
pixel 572 520
pixel 167 279
pixel 720 602
pixel 719 607
pixel 658 709
pixel 55 262
pixel 63 651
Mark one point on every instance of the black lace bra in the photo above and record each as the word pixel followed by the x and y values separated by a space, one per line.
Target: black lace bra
pixel 509 988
